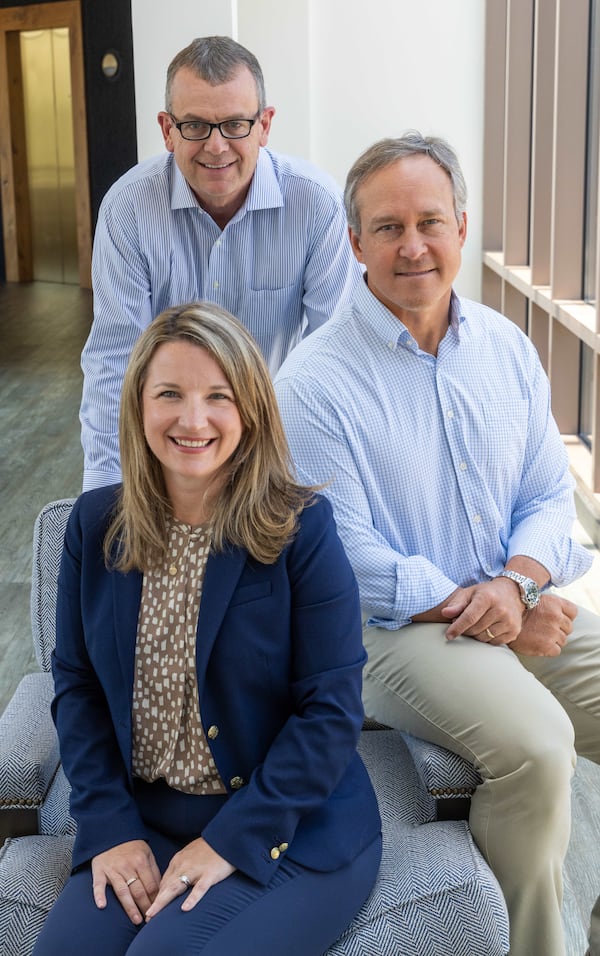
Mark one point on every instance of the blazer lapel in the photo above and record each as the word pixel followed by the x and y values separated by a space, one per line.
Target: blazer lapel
pixel 223 570
pixel 127 594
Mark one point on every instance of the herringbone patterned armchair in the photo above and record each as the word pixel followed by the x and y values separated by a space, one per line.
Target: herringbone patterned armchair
pixel 435 895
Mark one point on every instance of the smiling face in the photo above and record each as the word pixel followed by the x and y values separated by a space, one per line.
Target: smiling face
pixel 218 170
pixel 191 421
pixel 410 240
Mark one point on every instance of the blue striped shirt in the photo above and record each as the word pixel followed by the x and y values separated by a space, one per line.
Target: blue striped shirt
pixel 281 265
pixel 441 468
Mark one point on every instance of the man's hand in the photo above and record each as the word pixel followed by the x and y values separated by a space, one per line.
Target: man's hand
pixel 546 628
pixel 201 865
pixel 491 612
pixel 132 871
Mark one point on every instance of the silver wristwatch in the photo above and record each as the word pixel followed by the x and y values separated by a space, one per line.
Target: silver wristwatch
pixel 530 593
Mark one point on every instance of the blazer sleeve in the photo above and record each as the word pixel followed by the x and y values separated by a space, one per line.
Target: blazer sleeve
pixel 101 799
pixel 314 748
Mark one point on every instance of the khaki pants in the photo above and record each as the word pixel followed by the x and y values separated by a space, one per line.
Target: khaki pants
pixel 594 949
pixel 519 721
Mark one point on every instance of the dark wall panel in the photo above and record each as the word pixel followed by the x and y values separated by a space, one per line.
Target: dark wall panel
pixel 110 101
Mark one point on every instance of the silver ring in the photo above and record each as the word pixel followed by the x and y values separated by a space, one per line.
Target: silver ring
pixel 489 634
pixel 132 880
pixel 185 879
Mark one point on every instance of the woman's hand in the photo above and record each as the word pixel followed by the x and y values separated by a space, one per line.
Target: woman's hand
pixel 201 866
pixel 131 870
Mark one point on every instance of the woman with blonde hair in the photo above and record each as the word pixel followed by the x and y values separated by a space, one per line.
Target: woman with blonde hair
pixel 208 676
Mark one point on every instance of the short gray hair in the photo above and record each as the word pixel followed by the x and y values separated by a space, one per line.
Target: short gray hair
pixel 388 151
pixel 216 59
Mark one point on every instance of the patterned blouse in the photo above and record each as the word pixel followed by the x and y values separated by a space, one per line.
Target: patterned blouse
pixel 168 737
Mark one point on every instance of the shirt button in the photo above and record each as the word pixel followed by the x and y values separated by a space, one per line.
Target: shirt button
pixel 463 466
pixel 450 413
pixel 213 732
pixel 215 284
pixel 477 519
pixel 172 570
pixel 236 783
pixel 275 854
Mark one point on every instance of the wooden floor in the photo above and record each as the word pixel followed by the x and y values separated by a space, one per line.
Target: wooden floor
pixel 42 329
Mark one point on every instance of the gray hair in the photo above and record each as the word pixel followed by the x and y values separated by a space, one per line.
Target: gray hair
pixel 388 151
pixel 216 60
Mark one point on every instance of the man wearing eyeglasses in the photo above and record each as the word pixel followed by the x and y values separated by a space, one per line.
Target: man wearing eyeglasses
pixel 217 217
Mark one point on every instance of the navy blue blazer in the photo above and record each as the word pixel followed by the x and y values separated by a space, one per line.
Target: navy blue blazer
pixel 279 657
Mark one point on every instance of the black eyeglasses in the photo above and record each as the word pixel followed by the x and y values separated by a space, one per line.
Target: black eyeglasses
pixel 229 129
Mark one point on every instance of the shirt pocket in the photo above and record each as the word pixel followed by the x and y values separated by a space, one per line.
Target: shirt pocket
pixel 504 435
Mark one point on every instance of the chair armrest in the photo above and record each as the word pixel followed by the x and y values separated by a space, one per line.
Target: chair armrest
pixel 55 817
pixel 445 775
pixel 29 753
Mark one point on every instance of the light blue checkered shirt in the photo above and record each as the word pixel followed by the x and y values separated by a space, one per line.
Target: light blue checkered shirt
pixel 282 266
pixel 440 468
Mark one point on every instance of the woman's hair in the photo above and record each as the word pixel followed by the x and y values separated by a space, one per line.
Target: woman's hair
pixel 256 501
pixel 388 151
pixel 216 60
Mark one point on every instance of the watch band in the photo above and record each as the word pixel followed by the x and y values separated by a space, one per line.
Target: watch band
pixel 530 592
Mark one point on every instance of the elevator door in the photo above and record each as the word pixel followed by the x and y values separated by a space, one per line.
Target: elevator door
pixel 50 154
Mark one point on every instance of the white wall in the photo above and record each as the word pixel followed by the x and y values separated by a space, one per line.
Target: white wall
pixel 278 33
pixel 383 66
pixel 341 74
pixel 160 30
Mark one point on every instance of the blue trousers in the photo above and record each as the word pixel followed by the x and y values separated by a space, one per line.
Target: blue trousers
pixel 300 912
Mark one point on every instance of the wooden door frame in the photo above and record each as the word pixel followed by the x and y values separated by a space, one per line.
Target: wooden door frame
pixel 16 218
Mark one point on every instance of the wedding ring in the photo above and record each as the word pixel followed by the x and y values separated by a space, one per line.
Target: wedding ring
pixel 132 880
pixel 489 634
pixel 185 879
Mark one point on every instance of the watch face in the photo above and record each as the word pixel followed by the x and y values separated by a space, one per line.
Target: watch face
pixel 531 594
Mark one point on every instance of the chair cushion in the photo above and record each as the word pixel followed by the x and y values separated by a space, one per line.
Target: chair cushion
pixel 33 871
pixel 434 895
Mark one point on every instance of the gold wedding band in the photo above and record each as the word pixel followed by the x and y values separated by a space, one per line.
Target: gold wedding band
pixel 132 880
pixel 489 634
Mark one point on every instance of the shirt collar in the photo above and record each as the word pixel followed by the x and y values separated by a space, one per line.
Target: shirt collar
pixel 182 196
pixel 264 193
pixel 391 329
pixel 456 314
